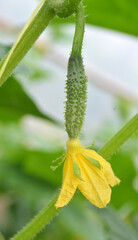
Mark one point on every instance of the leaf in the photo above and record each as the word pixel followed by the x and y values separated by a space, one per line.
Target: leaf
pixel 28 188
pixel 118 15
pixel 31 31
pixel 37 164
pixel 15 103
pixel 123 165
pixel 1 236
pixel 19 148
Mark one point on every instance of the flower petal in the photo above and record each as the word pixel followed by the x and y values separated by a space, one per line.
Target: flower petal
pixel 95 187
pixel 70 183
pixel 108 172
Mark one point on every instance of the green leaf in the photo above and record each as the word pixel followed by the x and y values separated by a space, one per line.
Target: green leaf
pixel 121 162
pixel 93 161
pixel 1 236
pixel 15 103
pixel 19 148
pixel 37 164
pixel 31 31
pixel 118 15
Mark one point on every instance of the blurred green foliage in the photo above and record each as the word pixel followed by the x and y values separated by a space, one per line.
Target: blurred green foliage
pixel 26 180
pixel 15 103
pixel 120 15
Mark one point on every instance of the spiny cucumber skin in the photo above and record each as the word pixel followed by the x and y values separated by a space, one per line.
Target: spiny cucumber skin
pixel 76 93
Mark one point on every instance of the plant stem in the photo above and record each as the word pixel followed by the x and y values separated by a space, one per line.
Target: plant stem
pixel 79 31
pixel 38 222
pixel 49 212
pixel 118 139
pixel 36 24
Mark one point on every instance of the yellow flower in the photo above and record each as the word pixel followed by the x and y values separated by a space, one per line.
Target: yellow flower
pixel 89 172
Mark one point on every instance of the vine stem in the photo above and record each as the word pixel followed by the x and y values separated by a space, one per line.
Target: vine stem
pixel 38 222
pixel 49 211
pixel 79 31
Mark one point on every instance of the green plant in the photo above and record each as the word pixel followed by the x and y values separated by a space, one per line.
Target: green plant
pixel 76 91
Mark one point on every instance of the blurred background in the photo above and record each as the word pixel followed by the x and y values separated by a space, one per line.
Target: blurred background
pixel 32 120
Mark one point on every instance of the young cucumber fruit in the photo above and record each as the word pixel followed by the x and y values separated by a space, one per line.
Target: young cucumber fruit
pixel 76 93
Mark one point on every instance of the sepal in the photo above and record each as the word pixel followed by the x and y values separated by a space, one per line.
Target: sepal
pixel 59 161
pixel 76 169
pixel 92 160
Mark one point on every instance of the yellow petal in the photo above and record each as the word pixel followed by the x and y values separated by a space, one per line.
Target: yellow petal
pixel 70 183
pixel 106 168
pixel 94 187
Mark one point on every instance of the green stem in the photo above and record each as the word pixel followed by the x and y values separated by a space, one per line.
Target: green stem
pixel 49 212
pixel 39 222
pixel 118 139
pixel 79 31
pixel 39 20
